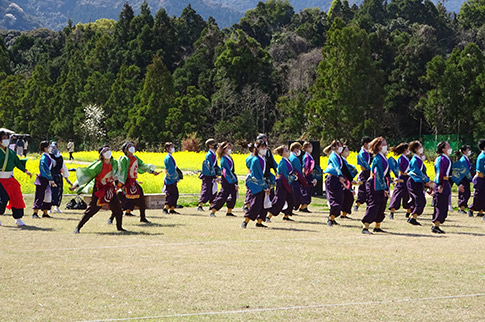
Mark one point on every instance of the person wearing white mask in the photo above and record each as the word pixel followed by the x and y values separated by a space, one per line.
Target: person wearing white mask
pixel 464 191
pixel 44 182
pixel 59 174
pixel 307 169
pixel 442 189
pixel 10 193
pixel 377 186
pixel 418 180
pixel 209 175
pixel 131 193
pixel 300 183
pixel 478 204
pixel 104 172
pixel 229 185
pixel 334 180
pixel 172 176
pixel 401 193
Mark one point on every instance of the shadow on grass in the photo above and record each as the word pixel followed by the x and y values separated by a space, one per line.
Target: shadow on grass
pixel 464 233
pixel 412 234
pixel 292 229
pixel 157 225
pixel 127 233
pixel 64 218
pixel 29 228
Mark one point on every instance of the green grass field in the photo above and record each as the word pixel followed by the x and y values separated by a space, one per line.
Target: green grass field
pixel 193 267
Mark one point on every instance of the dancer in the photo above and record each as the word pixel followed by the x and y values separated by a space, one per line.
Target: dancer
pixel 44 183
pixel 349 172
pixel 131 193
pixel 283 194
pixel 377 187
pixel 59 174
pixel 210 171
pixel 334 181
pixel 104 172
pixel 464 193
pixel 229 185
pixel 308 168
pixel 258 186
pixel 479 182
pixel 400 193
pixel 10 193
pixel 300 183
pixel 364 160
pixel 172 177
pixel 442 189
pixel 418 180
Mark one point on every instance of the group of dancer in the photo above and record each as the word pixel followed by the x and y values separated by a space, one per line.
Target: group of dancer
pixel 272 188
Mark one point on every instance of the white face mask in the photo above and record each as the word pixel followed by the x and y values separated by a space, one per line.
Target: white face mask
pixel 340 149
pixel 262 152
pixel 107 155
pixel 423 157
pixel 131 149
pixel 384 149
pixel 310 150
pixel 449 151
pixel 298 153
pixel 5 142
pixel 420 150
pixel 408 152
pixel 469 153
pixel 172 150
pixel 49 150
pixel 229 151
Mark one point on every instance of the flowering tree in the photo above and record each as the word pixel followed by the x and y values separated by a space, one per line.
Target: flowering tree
pixel 93 126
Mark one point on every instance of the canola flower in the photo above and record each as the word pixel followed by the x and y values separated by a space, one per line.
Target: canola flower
pixel 187 161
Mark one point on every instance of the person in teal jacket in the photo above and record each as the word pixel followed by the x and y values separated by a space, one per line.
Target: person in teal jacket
pixel 377 186
pixel 334 181
pixel 170 181
pixel 479 182
pixel 258 186
pixel 229 186
pixel 210 171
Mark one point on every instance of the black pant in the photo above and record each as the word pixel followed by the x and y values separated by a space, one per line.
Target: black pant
pixel 131 203
pixel 70 156
pixel 17 213
pixel 93 208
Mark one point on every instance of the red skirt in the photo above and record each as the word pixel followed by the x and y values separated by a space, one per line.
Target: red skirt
pixel 12 187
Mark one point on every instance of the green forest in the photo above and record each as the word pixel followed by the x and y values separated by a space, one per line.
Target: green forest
pixel 401 69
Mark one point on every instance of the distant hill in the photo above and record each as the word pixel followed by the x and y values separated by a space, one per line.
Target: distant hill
pixel 54 14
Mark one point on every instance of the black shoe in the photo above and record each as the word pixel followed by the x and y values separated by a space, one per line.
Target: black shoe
pixel 261 225
pixel 407 215
pixel 287 219
pixel 335 223
pixel 378 230
pixel 244 225
pixel 391 216
pixel 470 213
pixel 480 215
pixel 146 221
pixel 356 208
pixel 35 216
pixel 129 214
pixel 122 230
pixel 461 212
pixel 46 216
pixel 173 212
pixel 110 221
pixel 413 222
pixel 165 211
pixel 212 214
pixel 305 210
pixel 199 208
pixel 436 230
pixel 344 217
pixel 366 231
pixel 76 231
pixel 330 223
pixel 230 214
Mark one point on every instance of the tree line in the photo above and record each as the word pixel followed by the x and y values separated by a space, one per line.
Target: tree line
pixel 401 69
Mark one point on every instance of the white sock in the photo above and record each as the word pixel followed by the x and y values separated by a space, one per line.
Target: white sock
pixel 19 222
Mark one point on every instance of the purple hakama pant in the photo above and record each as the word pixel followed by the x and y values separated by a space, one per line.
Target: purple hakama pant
pixel 278 201
pixel 206 194
pixel 418 197
pixel 441 202
pixel 42 188
pixel 400 194
pixel 227 195
pixel 296 187
pixel 335 194
pixel 478 194
pixel 348 201
pixel 376 204
pixel 306 192
pixel 464 196
pixel 256 206
pixel 361 193
pixel 171 194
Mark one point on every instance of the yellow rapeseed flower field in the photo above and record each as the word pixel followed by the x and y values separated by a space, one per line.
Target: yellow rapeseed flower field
pixel 187 161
